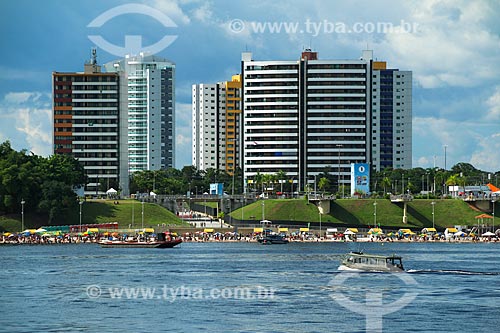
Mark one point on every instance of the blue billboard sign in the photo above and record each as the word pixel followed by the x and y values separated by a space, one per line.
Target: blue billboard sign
pixel 360 179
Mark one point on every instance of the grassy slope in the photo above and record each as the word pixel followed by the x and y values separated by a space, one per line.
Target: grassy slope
pixel 101 211
pixel 350 212
pixel 361 212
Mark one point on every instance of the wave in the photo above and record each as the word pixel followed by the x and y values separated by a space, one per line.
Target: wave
pixel 449 271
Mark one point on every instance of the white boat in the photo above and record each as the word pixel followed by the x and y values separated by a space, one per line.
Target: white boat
pixel 358 261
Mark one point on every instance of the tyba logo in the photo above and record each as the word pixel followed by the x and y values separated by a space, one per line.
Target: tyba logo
pixel 133 43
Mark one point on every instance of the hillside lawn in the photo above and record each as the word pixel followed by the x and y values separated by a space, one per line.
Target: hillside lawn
pixel 360 212
pixel 100 211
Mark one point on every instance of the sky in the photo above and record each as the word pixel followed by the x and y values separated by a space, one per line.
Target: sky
pixel 452 47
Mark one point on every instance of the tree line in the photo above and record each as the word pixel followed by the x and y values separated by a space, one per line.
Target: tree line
pixel 46 185
pixel 395 181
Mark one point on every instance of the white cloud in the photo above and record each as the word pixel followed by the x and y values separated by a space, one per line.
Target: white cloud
pixel 465 141
pixel 487 156
pixel 182 135
pixel 172 9
pixel 26 121
pixel 21 97
pixel 453 46
pixel 203 13
pixel 494 105
pixel 32 123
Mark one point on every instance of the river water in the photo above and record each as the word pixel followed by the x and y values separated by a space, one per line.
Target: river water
pixel 248 287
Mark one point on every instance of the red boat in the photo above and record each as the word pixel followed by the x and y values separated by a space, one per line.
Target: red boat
pixel 164 241
pixel 155 244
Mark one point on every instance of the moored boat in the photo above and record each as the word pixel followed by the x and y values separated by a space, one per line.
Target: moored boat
pixel 358 261
pixel 162 242
pixel 140 244
pixel 272 239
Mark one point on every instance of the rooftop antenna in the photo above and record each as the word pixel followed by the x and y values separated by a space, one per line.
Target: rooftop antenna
pixel 93 58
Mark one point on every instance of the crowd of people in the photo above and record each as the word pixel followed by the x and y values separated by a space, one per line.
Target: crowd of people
pixel 231 236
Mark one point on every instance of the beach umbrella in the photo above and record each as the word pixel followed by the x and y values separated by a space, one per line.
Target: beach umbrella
pixel 484 216
pixel 488 234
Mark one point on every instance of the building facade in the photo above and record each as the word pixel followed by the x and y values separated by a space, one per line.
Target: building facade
pixel 303 116
pixel 310 115
pixel 391 118
pixel 148 108
pixel 86 124
pixel 216 125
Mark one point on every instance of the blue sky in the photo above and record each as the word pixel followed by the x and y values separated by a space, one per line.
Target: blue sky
pixel 452 47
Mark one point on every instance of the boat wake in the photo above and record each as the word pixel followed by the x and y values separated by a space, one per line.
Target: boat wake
pixel 449 271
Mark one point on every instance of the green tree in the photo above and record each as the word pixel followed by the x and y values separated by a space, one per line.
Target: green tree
pixel 323 184
pixel 386 183
pixel 281 176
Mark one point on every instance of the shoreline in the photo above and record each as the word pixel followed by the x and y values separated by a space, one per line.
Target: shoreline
pixel 482 240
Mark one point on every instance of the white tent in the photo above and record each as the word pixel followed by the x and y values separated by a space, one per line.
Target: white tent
pixel 111 192
pixel 488 234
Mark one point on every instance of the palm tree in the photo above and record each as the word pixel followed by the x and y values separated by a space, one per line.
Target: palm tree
pixel 323 183
pixel 386 182
pixel 267 179
pixel 281 175
pixel 453 180
pixel 257 180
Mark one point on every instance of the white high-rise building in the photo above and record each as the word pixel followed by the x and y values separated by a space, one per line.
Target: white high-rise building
pixel 147 95
pixel 208 124
pixel 303 116
pixel 306 116
pixel 216 125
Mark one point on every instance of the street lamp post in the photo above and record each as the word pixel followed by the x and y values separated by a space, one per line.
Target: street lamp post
pixel 493 202
pixel 338 176
pixel 423 182
pixel 315 195
pixel 320 225
pixel 402 184
pixel 81 204
pixel 242 207
pixel 445 146
pixel 263 208
pixel 232 191
pixel 133 212
pixel 427 189
pixel 375 214
pixel 22 214
pixel 433 203
pixel 142 214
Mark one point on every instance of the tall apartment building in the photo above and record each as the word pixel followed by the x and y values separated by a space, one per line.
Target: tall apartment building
pixel 391 117
pixel 304 116
pixel 86 124
pixel 147 139
pixel 216 125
